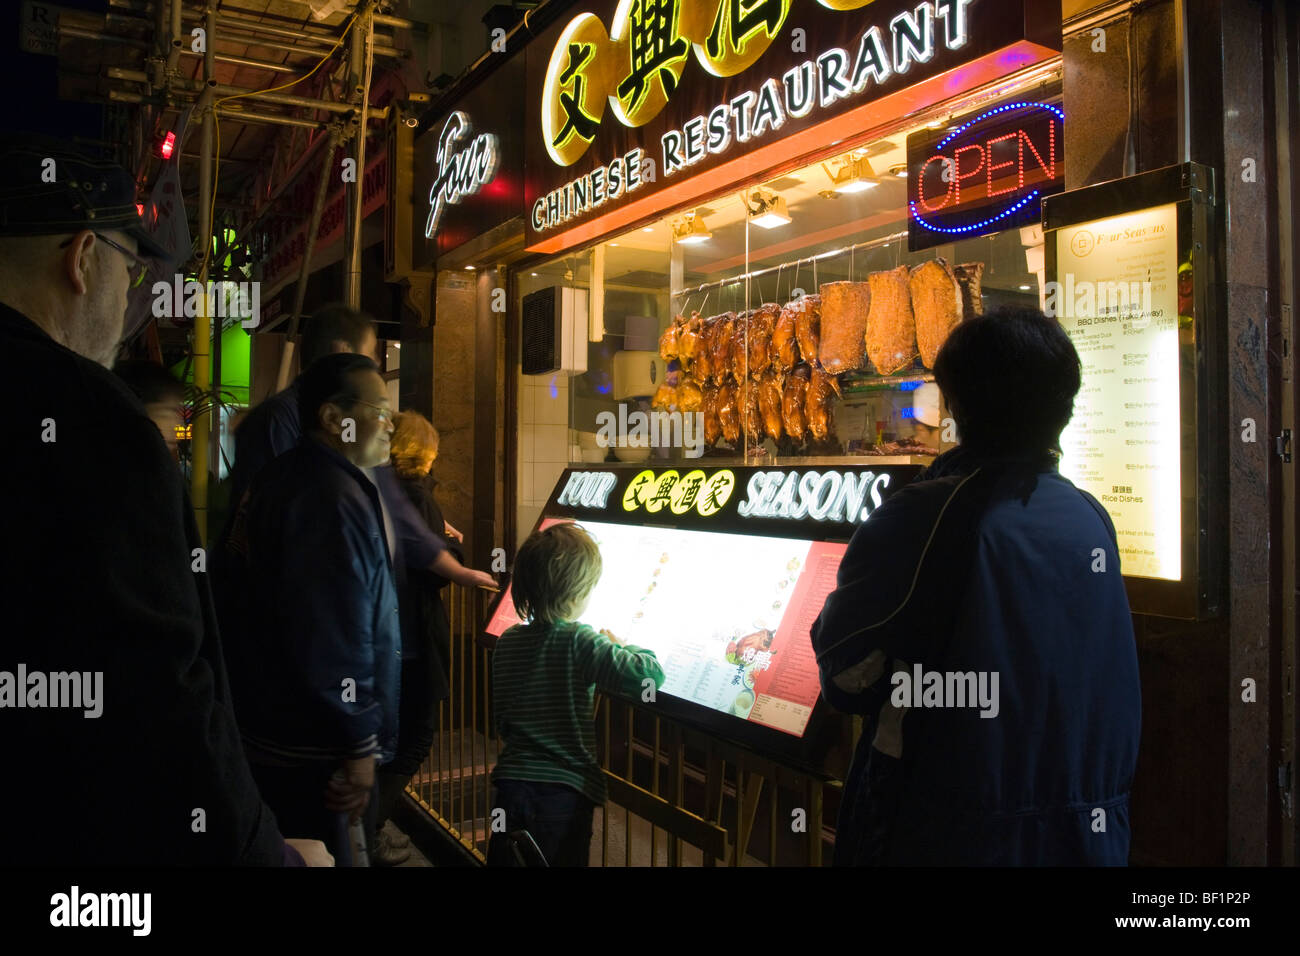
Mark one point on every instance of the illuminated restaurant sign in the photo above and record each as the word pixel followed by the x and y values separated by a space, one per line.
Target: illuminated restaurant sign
pixel 588 489
pixel 984 172
pixel 741 498
pixel 637 66
pixel 637 95
pixel 464 166
pixel 822 496
pixel 467 172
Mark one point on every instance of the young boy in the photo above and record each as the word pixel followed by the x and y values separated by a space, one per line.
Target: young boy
pixel 544 674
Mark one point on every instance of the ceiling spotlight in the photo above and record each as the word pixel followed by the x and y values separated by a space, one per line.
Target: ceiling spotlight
pixel 613 243
pixel 1024 288
pixel 470 268
pixel 851 175
pixel 767 209
pixel 690 230
pixel 899 170
pixel 648 229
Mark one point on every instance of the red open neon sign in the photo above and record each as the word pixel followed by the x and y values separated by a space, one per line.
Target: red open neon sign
pixel 983 173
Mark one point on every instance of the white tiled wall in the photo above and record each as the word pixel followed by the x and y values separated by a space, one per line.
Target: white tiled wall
pixel 543 444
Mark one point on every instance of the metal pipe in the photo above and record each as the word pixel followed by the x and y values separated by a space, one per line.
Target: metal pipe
pixel 288 99
pixel 243 115
pixel 868 244
pixel 360 67
pixel 242 60
pixel 174 36
pixel 299 50
pixel 384 20
pixel 79 33
pixel 271 119
pixel 1184 82
pixel 233 19
pixel 313 43
pixel 214 420
pixel 313 225
pixel 282 99
pixel 202 323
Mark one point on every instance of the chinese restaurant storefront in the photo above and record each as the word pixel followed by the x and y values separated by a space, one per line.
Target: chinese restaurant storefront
pixel 690 264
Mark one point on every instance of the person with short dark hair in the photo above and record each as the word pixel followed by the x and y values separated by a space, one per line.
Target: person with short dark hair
pixel 273 426
pixel 314 662
pixel 985 603
pixel 162 394
pixel 139 761
pixel 544 675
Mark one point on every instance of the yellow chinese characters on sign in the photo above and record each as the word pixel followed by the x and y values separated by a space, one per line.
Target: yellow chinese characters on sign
pixel 638 64
pixel 650 54
pixel 577 84
pixel 730 38
pixel 686 492
pixel 679 493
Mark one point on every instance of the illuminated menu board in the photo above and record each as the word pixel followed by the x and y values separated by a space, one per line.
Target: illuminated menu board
pixel 1116 294
pixel 722 577
pixel 737 644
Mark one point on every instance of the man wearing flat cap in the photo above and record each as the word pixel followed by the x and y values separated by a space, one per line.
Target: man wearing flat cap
pixel 122 746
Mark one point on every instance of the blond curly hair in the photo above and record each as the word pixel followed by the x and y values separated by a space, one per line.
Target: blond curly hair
pixel 414 444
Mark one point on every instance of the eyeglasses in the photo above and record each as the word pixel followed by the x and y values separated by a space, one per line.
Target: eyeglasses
pixel 384 414
pixel 136 261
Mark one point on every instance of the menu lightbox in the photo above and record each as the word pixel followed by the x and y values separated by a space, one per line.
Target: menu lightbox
pixel 1130 279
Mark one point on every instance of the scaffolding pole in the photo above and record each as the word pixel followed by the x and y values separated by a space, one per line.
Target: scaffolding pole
pixel 359 72
pixel 202 424
pixel 304 271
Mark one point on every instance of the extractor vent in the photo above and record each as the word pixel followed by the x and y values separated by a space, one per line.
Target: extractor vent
pixel 555 331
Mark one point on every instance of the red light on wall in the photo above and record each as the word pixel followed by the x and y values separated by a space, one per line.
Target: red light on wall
pixel 139 209
pixel 167 145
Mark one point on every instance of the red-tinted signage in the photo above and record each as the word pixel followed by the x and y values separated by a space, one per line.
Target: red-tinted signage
pixel 984 172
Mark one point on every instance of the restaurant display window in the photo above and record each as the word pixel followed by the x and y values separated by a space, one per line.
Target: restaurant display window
pixel 788 320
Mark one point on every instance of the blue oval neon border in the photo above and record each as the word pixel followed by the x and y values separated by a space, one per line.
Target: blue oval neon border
pixel 957 132
pixel 976 225
pixel 1001 109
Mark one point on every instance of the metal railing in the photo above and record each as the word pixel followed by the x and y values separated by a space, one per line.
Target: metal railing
pixel 677 796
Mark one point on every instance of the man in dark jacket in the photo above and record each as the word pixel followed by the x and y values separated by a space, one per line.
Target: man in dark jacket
pixel 274 427
pixel 135 759
pixel 984 603
pixel 315 662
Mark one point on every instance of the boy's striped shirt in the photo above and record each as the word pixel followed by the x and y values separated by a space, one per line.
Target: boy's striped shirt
pixel 544 677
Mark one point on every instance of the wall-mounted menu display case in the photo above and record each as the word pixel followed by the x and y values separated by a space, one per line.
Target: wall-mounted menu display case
pixel 1131 277
pixel 721 571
